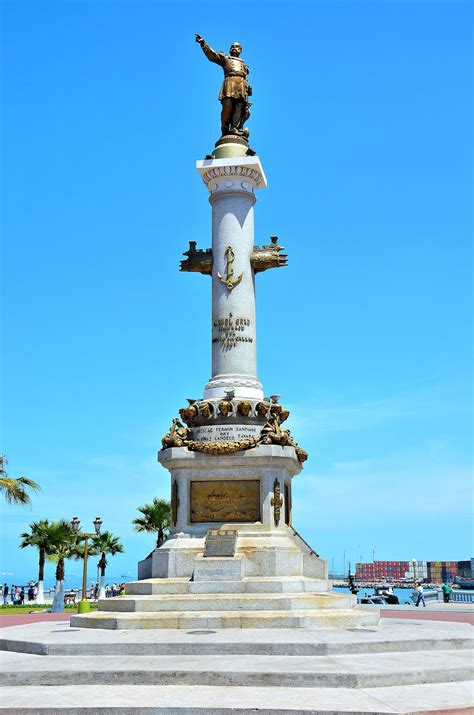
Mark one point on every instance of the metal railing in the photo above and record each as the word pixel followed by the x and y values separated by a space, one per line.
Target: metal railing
pixel 462 596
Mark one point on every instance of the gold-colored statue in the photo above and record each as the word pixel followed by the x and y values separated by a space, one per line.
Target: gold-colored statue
pixel 235 89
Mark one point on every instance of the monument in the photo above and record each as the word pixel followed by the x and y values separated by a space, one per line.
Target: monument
pixel 229 454
pixel 233 569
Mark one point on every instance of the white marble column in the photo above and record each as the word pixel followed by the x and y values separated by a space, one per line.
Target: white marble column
pixel 232 183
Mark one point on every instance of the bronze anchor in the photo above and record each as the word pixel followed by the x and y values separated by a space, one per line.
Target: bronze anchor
pixel 227 281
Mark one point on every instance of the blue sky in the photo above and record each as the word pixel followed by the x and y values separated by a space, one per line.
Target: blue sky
pixel 361 118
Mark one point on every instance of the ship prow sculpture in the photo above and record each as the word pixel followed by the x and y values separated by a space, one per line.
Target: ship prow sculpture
pixel 233 558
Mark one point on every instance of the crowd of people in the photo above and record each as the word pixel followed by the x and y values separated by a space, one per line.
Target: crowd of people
pixel 16 594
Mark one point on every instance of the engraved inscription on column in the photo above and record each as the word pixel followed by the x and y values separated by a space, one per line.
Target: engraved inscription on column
pixel 231 331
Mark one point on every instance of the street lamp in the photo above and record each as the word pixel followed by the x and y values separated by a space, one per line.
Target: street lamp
pixel 414 573
pixel 84 605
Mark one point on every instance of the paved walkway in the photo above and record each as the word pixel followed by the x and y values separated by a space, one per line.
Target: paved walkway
pixel 418 614
pixel 22 618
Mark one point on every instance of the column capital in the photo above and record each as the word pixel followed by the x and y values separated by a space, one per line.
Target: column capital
pixel 236 173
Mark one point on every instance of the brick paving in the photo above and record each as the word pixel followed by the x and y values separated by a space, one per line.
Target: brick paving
pixel 23 618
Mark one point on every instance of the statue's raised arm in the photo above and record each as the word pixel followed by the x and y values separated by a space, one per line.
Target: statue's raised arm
pixel 235 89
pixel 212 55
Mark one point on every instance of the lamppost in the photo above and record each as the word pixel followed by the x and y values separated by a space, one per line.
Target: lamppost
pixel 84 605
pixel 414 573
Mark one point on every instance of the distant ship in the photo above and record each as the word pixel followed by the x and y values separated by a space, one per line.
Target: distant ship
pixel 467 583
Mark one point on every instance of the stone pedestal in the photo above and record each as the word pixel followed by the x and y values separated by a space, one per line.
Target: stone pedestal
pixel 243 487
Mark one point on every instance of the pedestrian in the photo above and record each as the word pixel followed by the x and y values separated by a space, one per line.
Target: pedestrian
pixel 421 598
pixel 114 589
pixel 446 592
pixel 122 589
pixel 107 590
pixel 5 594
pixel 31 592
pixel 96 591
pixel 92 591
pixel 22 595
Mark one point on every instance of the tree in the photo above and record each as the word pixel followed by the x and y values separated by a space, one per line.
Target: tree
pixel 103 544
pixel 15 490
pixel 63 546
pixel 41 536
pixel 156 517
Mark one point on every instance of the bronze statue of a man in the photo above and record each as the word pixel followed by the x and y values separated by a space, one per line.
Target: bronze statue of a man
pixel 235 89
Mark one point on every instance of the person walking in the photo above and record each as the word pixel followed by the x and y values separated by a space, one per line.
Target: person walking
pixel 5 594
pixel 446 592
pixel 421 598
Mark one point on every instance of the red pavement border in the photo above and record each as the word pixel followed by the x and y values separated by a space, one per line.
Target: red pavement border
pixel 460 617
pixel 23 618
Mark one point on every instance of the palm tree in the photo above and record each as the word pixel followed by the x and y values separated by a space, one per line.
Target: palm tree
pixel 103 544
pixel 14 490
pixel 156 517
pixel 63 546
pixel 41 536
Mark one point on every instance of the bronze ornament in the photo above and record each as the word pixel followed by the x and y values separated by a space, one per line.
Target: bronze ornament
pixel 225 500
pixel 199 260
pixel 227 281
pixel 276 502
pixel 262 409
pixel 244 408
pixel 225 407
pixel 222 448
pixel 188 414
pixel 206 409
pixel 174 502
pixel 177 436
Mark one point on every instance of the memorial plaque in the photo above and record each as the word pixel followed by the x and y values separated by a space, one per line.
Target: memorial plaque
pixel 220 542
pixel 214 500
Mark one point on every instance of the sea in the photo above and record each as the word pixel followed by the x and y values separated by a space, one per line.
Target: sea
pixel 403 594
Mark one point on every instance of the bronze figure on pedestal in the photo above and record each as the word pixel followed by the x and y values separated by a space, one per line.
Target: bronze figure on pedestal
pixel 235 89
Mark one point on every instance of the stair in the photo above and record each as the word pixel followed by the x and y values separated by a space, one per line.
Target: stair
pixel 399 667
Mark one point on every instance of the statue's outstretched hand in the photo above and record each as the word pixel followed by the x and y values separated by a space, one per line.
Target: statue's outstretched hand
pixel 199 39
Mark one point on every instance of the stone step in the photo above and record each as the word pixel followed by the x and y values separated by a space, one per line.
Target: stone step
pixel 321 618
pixel 343 671
pixel 249 584
pixel 227 602
pixel 49 638
pixel 214 700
